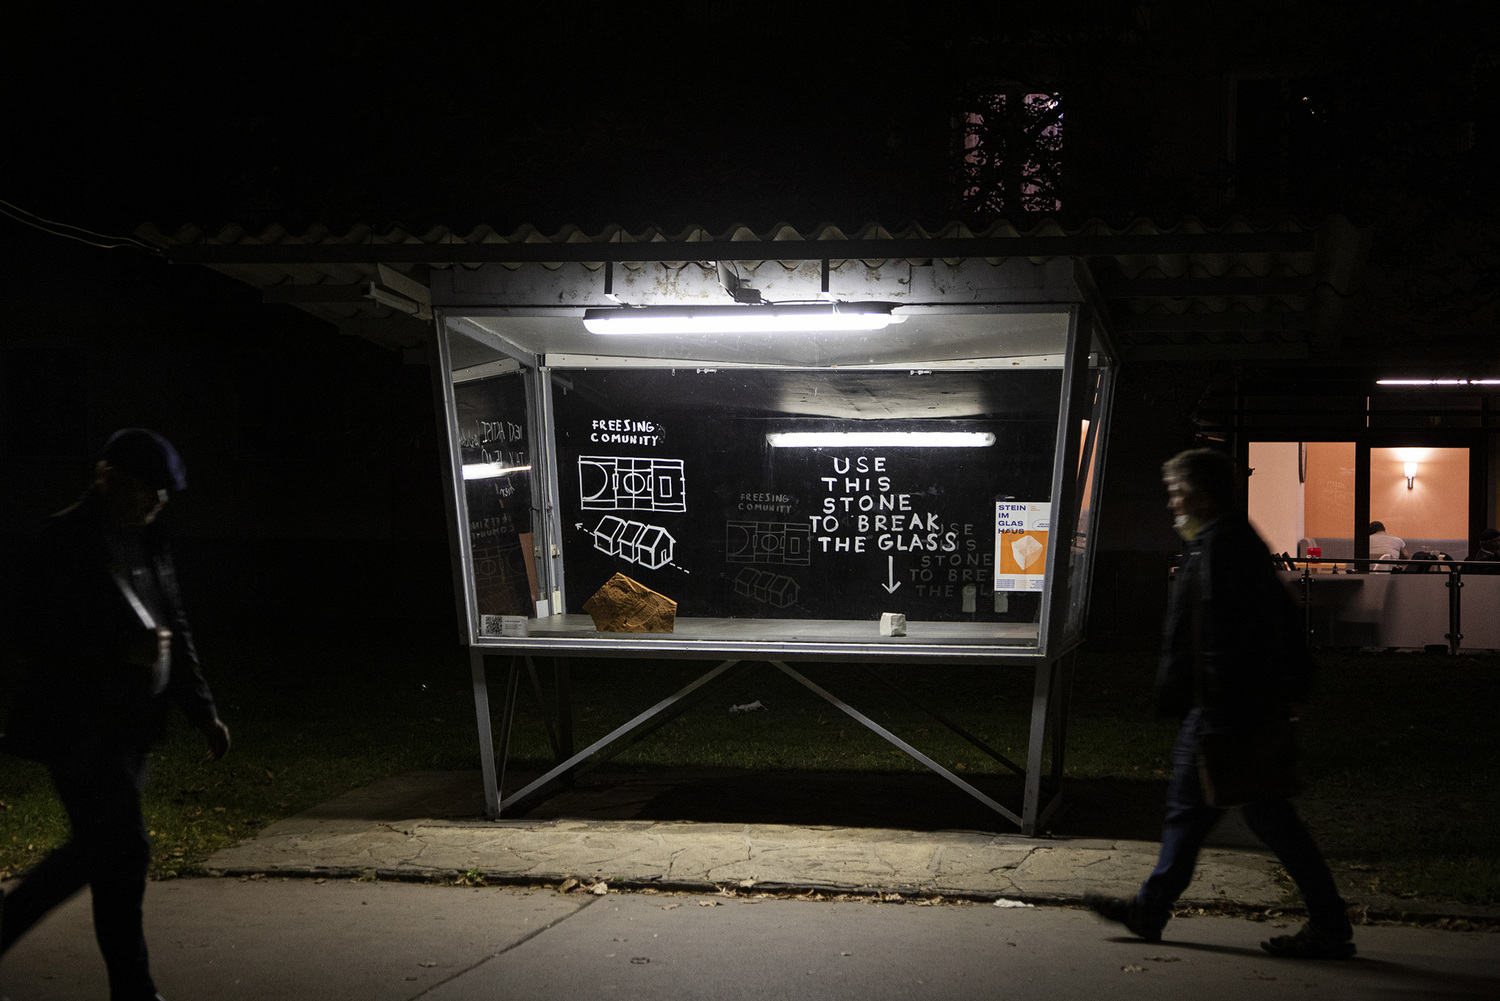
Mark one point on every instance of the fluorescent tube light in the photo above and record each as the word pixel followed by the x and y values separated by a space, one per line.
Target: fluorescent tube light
pixel 768 319
pixel 880 439
pixel 1437 382
pixel 489 470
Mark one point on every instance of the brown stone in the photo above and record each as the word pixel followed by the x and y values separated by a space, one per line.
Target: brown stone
pixel 626 606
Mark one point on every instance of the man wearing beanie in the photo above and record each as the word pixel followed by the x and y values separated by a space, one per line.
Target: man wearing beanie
pixel 106 649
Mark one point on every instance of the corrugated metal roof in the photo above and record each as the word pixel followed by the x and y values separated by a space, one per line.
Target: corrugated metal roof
pixel 1187 290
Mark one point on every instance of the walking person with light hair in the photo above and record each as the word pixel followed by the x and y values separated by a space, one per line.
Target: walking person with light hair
pixel 1234 666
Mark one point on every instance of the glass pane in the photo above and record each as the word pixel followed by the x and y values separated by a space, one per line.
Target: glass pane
pixel 1421 495
pixel 494 469
pixel 495 446
pixel 1301 496
pixel 692 483
pixel 1091 436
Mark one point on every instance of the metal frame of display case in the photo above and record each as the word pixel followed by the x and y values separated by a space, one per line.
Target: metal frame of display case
pixel 1033 291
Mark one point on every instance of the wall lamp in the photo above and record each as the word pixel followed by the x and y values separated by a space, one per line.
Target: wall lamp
pixel 760 319
pixel 1411 474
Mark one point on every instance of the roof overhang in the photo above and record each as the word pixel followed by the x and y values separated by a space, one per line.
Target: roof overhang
pixel 1234 292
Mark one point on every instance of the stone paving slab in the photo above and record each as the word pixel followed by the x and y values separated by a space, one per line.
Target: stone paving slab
pixel 431 826
pixel 362 832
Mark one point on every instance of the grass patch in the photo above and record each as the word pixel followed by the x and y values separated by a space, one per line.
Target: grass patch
pixel 1401 751
pixel 306 727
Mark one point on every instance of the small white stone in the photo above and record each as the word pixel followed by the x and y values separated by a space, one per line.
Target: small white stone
pixel 892 624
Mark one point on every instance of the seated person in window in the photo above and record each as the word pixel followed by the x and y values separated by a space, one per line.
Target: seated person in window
pixel 1486 553
pixel 1385 546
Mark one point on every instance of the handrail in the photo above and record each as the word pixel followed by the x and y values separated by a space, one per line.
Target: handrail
pixel 1453 568
pixel 1362 566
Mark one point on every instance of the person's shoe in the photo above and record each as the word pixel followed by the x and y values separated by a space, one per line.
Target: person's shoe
pixel 1126 911
pixel 1309 943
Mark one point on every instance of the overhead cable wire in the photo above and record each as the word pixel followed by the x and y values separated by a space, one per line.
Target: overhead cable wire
pixel 70 232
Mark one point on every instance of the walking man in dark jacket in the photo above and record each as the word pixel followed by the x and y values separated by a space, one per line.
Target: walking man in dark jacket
pixel 1232 660
pixel 106 648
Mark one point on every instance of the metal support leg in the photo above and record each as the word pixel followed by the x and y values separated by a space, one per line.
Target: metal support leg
pixel 876 728
pixel 507 721
pixel 1062 698
pixel 571 763
pixel 1041 698
pixel 486 738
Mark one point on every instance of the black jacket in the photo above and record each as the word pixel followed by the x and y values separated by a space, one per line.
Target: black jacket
pixel 1250 648
pixel 74 632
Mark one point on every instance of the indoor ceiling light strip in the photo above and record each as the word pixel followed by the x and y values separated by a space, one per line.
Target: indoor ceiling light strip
pixel 1437 382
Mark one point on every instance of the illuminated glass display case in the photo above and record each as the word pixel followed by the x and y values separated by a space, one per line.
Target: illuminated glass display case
pixel 906 474
pixel 784 490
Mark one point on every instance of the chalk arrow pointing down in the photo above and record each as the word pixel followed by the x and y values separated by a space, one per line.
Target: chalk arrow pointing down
pixel 890 573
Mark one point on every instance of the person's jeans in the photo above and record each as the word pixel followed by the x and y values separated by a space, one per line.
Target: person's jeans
pixel 109 851
pixel 1189 821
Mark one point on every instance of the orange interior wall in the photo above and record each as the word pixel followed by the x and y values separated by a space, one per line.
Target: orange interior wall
pixel 1328 494
pixel 1437 505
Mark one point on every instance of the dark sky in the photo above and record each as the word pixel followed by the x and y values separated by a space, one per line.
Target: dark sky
pixel 408 114
pixel 657 114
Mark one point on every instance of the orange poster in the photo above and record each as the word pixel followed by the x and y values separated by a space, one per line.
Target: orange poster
pixel 1021 529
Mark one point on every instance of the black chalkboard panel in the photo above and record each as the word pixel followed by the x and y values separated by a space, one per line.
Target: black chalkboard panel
pixel 495 443
pixel 667 476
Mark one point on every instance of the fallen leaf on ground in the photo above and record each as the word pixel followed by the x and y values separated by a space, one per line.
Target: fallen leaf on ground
pixel 1133 969
pixel 708 903
pixel 567 885
pixel 599 889
pixel 668 907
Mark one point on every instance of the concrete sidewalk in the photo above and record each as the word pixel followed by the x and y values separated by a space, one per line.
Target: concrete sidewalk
pixel 430 825
pixel 351 940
